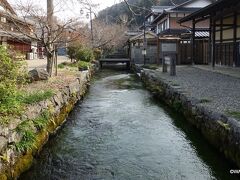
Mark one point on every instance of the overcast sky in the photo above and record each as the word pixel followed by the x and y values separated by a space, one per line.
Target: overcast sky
pixel 68 8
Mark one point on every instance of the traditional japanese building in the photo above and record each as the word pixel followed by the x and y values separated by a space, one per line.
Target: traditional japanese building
pixel 176 36
pixel 171 37
pixel 150 25
pixel 15 31
pixel 224 22
pixel 141 54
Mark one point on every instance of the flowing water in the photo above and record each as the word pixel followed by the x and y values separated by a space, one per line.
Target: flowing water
pixel 121 132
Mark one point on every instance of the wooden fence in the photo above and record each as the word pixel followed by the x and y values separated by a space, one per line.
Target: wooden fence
pixel 201 52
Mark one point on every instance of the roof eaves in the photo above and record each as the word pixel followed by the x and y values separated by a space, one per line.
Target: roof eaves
pixel 184 3
pixel 159 17
pixel 204 11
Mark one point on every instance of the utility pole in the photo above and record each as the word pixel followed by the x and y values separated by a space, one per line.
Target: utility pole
pixel 144 36
pixel 89 15
pixel 91 24
pixel 144 42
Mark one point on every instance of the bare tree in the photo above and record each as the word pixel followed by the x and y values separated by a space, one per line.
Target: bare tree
pixel 45 28
pixel 50 32
pixel 108 36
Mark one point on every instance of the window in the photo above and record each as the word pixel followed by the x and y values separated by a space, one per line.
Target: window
pixel 181 14
pixel 162 26
pixel 165 24
pixel 2 8
pixel 174 15
pixel 3 19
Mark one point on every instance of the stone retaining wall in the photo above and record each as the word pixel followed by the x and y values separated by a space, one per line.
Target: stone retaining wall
pixel 221 131
pixel 12 161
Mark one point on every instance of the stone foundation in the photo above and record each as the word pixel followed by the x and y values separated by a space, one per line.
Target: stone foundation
pixel 221 131
pixel 13 162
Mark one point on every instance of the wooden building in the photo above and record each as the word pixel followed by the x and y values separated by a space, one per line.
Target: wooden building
pixel 136 44
pixel 150 24
pixel 14 31
pixel 172 34
pixel 224 22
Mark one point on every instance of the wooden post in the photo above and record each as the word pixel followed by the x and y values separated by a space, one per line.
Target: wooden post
pixel 213 43
pixel 128 65
pixel 193 40
pixel 235 39
pixel 164 65
pixel 221 39
pixel 210 42
pixel 173 66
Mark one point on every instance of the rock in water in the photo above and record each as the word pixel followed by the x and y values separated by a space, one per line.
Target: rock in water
pixel 38 75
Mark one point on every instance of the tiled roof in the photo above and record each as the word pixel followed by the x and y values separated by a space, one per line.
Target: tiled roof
pixel 173 32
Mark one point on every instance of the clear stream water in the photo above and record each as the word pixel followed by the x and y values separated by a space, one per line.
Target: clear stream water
pixel 121 132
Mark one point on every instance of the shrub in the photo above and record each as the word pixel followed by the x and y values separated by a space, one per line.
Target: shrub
pixel 84 54
pixel 72 51
pixel 97 54
pixel 12 74
pixel 60 66
pixel 83 65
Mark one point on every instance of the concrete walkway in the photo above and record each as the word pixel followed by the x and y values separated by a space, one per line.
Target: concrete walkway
pixel 42 63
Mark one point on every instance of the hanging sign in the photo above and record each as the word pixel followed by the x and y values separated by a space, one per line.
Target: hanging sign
pixel 169 47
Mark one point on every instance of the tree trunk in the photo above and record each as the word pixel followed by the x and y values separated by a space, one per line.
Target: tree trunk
pixel 50 55
pixel 49 64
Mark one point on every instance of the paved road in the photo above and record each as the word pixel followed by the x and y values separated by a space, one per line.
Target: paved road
pixel 42 63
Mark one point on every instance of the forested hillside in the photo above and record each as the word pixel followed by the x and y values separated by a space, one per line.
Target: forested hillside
pixel 120 13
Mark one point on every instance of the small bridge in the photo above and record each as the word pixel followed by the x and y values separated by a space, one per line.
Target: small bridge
pixel 115 61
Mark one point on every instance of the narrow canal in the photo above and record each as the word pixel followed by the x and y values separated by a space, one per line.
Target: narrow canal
pixel 120 132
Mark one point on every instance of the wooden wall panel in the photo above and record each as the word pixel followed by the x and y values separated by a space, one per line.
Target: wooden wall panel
pixel 217 35
pixel 227 34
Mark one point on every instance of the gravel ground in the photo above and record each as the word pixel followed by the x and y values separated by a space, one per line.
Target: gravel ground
pixel 42 63
pixel 222 91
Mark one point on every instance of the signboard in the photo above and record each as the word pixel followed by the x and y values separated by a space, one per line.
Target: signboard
pixel 169 47
pixel 167 60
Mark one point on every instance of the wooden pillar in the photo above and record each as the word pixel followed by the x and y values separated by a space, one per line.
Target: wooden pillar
pixel 235 49
pixel 193 40
pixel 128 65
pixel 221 40
pixel 213 43
pixel 210 42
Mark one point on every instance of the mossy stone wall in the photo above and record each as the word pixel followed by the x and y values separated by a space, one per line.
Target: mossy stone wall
pixel 13 162
pixel 221 131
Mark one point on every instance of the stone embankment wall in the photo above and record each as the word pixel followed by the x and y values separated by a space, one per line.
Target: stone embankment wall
pixel 221 131
pixel 17 149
